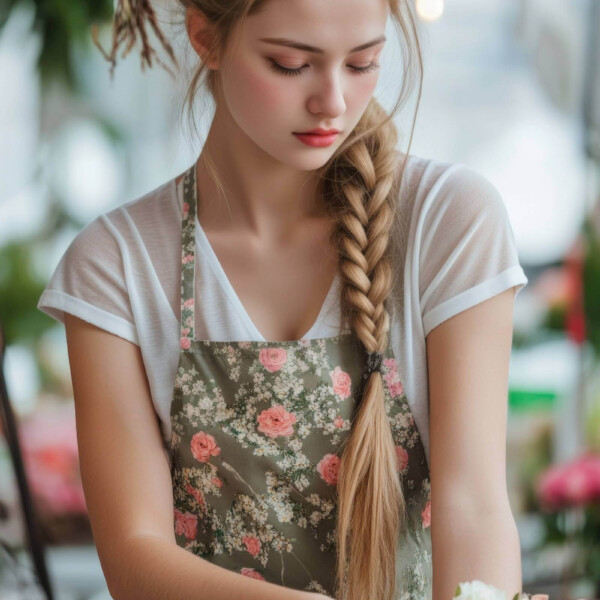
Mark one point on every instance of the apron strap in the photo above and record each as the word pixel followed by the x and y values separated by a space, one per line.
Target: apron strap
pixel 188 252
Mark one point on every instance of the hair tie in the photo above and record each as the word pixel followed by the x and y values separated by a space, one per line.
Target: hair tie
pixel 374 363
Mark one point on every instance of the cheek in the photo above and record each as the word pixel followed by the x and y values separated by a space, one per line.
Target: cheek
pixel 363 90
pixel 259 93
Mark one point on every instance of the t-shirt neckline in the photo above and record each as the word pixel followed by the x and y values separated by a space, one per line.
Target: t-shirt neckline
pixel 207 252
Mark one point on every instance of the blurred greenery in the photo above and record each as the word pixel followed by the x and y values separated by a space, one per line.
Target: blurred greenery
pixel 591 284
pixel 61 25
pixel 20 286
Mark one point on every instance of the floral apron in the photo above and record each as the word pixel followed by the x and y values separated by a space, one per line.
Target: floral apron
pixel 256 431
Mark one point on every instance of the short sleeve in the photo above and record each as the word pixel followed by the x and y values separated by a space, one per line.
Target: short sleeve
pixel 90 282
pixel 467 249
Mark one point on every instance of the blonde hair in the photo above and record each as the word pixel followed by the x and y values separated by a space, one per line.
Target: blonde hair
pixel 360 186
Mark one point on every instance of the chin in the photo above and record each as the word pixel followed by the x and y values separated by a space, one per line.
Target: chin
pixel 308 159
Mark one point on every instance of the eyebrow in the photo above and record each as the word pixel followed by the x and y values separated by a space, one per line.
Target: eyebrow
pixel 307 48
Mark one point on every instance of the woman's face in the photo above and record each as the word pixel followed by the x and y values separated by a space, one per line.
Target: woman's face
pixel 273 89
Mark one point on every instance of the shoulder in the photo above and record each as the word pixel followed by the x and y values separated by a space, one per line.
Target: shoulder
pixel 432 187
pixel 149 219
pixel 151 208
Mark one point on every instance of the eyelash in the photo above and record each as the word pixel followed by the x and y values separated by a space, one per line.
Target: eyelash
pixel 291 72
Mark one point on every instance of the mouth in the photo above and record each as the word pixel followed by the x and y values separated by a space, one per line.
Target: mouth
pixel 318 131
pixel 317 138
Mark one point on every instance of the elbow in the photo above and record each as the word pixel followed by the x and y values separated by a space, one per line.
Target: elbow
pixel 134 566
pixel 118 569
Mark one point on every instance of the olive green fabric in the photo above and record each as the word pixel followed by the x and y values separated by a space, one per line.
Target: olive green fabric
pixel 257 431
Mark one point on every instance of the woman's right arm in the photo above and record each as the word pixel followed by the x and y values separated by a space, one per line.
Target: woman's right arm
pixel 127 481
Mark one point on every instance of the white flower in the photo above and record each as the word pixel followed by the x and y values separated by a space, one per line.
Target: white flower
pixel 477 590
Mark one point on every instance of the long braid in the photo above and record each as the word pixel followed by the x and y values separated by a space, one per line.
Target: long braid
pixel 371 501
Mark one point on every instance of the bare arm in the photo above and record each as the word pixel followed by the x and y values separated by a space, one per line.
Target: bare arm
pixel 127 482
pixel 474 535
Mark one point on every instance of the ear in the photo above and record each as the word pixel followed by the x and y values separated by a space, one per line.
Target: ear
pixel 200 35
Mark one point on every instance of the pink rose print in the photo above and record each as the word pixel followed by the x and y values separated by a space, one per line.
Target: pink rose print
pixel 402 457
pixel 341 382
pixel 186 208
pixel 188 258
pixel 185 524
pixel 195 493
pixel 252 544
pixel 188 303
pixel 392 378
pixel 426 515
pixel 185 330
pixel 276 421
pixel 251 573
pixel 338 421
pixel 184 343
pixel 328 468
pixel 216 481
pixel 272 358
pixel 396 388
pixel 203 446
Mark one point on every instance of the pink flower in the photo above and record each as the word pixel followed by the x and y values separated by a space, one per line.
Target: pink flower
pixel 390 363
pixel 187 258
pixel 341 382
pixel 576 483
pixel 426 515
pixel 396 388
pixel 216 481
pixel 272 358
pixel 203 446
pixel 188 303
pixel 338 421
pixel 578 486
pixel 197 494
pixel 276 421
pixel 328 468
pixel 252 544
pixel 186 208
pixel 393 382
pixel 402 457
pixel 185 524
pixel 49 441
pixel 251 573
pixel 185 343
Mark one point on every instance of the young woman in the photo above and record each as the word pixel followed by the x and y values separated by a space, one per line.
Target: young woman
pixel 271 376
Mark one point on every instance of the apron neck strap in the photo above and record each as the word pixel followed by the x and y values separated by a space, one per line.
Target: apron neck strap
pixel 188 254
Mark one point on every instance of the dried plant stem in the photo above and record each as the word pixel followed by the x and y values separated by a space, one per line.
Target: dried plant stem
pixel 129 21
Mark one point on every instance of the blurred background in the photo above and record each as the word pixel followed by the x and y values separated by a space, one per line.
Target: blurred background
pixel 511 88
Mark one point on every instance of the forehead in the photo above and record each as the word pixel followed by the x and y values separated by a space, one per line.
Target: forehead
pixel 333 25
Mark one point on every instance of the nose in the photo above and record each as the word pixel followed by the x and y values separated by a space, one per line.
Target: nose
pixel 328 98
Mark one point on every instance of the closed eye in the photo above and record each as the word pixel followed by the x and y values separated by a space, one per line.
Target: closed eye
pixel 291 72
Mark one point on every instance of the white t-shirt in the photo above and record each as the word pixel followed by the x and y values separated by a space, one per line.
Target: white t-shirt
pixel 122 273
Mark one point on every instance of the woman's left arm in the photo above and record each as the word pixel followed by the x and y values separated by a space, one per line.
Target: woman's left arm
pixel 474 534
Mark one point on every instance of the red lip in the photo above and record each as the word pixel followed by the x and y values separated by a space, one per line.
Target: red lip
pixel 320 131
